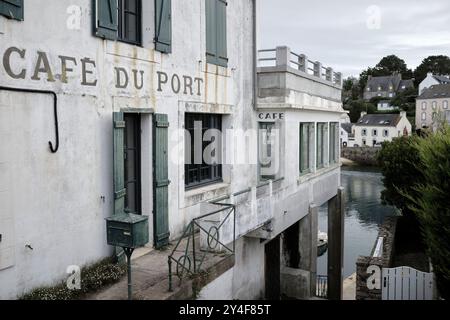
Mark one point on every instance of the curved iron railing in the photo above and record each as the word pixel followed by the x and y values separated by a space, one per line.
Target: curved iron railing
pixel 211 228
pixel 322 287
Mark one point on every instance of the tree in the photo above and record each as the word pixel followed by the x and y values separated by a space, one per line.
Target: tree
pixel 398 160
pixel 358 106
pixel 390 64
pixel 435 64
pixel 430 201
pixel 386 67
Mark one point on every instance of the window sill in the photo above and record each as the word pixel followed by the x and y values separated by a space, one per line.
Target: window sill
pixel 310 176
pixel 206 193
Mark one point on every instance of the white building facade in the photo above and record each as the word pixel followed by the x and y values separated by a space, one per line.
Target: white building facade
pixel 118 89
pixel 372 130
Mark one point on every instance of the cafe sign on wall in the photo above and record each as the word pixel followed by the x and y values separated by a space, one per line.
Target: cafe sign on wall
pixel 61 69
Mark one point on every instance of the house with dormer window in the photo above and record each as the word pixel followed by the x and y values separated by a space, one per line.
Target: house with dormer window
pixel 386 86
pixel 372 130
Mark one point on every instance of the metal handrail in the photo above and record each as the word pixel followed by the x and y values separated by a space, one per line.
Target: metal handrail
pixel 191 261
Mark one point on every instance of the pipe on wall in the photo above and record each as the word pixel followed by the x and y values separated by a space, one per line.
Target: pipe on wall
pixel 53 148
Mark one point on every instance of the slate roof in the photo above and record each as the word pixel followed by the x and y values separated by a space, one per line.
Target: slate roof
pixel 379 120
pixel 384 82
pixel 436 91
pixel 347 127
pixel 442 79
pixel 407 83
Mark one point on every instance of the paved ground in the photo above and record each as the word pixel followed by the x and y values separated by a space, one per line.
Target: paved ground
pixel 350 288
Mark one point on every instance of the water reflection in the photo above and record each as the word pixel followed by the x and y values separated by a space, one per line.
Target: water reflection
pixel 364 214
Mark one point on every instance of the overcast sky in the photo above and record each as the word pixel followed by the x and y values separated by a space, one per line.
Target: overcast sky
pixel 350 35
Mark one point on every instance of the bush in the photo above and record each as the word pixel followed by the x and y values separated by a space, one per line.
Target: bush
pixel 93 278
pixel 398 161
pixel 430 201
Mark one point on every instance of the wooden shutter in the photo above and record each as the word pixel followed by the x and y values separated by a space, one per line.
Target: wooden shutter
pixel 216 32
pixel 12 9
pixel 119 170
pixel 221 16
pixel 163 27
pixel 160 180
pixel 211 32
pixel 107 25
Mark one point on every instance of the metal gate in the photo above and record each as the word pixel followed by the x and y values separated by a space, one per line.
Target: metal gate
pixel 405 283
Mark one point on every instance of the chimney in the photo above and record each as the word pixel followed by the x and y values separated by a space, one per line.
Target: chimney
pixel 363 113
pixel 403 114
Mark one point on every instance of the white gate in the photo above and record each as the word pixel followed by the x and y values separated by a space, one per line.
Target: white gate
pixel 406 283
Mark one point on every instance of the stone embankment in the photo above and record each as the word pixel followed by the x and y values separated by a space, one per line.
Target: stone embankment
pixel 366 156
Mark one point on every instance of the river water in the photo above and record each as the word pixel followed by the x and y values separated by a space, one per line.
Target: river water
pixel 364 214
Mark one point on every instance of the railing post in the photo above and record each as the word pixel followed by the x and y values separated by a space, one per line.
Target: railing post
pixel 283 56
pixel 318 69
pixel 338 79
pixel 170 274
pixel 330 74
pixel 303 63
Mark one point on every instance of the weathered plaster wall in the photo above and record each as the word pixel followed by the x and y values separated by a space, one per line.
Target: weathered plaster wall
pixel 57 203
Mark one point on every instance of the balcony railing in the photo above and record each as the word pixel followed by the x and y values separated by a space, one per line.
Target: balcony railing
pixel 214 234
pixel 322 287
pixel 283 56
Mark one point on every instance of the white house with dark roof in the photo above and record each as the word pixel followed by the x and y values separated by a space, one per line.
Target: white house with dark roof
pixel 432 80
pixel 373 129
pixel 386 86
pixel 432 106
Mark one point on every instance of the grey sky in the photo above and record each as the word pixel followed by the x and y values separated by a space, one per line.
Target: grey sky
pixel 336 32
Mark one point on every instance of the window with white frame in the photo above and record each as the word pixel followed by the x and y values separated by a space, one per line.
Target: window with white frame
pixel 424 105
pixel 334 143
pixel 374 132
pixel 364 132
pixel 434 105
pixel 306 139
pixel 445 104
pixel 320 154
pixel 385 133
pixel 424 116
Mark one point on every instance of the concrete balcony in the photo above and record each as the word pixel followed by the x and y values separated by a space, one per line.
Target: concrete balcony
pixel 287 80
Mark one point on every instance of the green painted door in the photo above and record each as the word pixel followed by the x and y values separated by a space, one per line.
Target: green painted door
pixel 119 169
pixel 160 180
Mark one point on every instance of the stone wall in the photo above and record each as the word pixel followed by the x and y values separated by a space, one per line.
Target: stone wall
pixel 362 155
pixel 363 292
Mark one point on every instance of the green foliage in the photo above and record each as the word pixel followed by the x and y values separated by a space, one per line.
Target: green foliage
pixel 398 161
pixel 93 278
pixel 356 107
pixel 386 67
pixel 417 180
pixel 432 206
pixel 435 64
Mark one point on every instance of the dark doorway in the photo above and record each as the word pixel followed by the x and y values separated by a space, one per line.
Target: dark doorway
pixel 132 156
pixel 273 269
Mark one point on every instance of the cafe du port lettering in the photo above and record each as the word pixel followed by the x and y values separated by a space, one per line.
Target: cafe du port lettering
pixel 15 67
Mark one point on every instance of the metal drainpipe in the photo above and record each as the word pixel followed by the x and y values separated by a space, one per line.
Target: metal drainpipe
pixel 55 110
pixel 255 57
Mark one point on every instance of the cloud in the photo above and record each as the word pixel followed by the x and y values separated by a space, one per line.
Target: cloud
pixel 337 34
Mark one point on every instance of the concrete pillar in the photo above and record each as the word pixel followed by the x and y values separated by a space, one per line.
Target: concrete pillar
pixel 336 215
pixel 303 63
pixel 283 56
pixel 329 74
pixel 338 80
pixel 318 69
pixel 309 229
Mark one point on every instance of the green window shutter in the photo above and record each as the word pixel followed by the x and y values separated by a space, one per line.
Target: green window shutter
pixel 221 16
pixel 107 25
pixel 211 31
pixel 163 27
pixel 216 32
pixel 119 170
pixel 12 9
pixel 161 180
